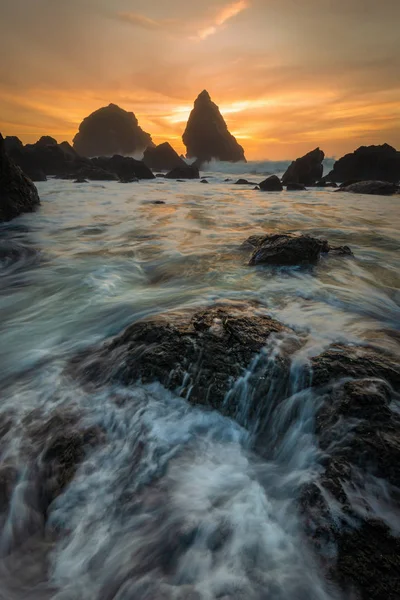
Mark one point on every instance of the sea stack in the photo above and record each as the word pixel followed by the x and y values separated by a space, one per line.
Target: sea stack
pixel 206 135
pixel 368 163
pixel 17 193
pixel 111 130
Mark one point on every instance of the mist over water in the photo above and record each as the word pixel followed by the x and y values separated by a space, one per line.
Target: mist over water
pixel 175 502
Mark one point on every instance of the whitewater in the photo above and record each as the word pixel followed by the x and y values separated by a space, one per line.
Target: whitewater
pixel 173 501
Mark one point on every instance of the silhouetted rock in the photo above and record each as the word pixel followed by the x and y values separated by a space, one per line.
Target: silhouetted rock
pixel 271 184
pixel 186 172
pixel 295 187
pixel 323 183
pixel 206 135
pixel 125 167
pixel 17 193
pixel 46 140
pixel 306 170
pixel 110 130
pixel 12 143
pixel 368 163
pixel 243 182
pixel 197 353
pixel 379 188
pixel 162 158
pixel 203 181
pixel 80 180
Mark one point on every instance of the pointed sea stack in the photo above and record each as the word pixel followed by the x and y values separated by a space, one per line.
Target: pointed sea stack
pixel 111 130
pixel 17 193
pixel 163 158
pixel 206 135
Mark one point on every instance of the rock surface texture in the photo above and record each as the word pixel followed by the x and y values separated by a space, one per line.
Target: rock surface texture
pixel 17 193
pixel 111 130
pixel 368 163
pixel 206 135
pixel 306 170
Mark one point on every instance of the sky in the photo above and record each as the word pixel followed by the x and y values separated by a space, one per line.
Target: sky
pixel 288 75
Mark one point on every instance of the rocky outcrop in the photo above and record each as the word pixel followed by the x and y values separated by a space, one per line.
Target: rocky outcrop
pixel 17 193
pixel 378 188
pixel 271 184
pixel 198 354
pixel 162 158
pixel 110 130
pixel 206 135
pixel 125 167
pixel 306 170
pixel 381 163
pixel 288 249
pixel 186 172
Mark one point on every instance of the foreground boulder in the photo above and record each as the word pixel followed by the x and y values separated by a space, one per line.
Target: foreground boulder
pixel 17 193
pixel 285 249
pixel 162 158
pixel 110 130
pixel 198 354
pixel 206 135
pixel 381 163
pixel 347 509
pixel 184 172
pixel 306 170
pixel 271 184
pixel 378 188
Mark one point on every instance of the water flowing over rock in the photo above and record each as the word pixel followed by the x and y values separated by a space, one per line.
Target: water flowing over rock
pixel 306 170
pixel 271 184
pixel 110 130
pixel 367 163
pixel 198 354
pixel 17 193
pixel 162 158
pixel 378 188
pixel 206 135
pixel 288 249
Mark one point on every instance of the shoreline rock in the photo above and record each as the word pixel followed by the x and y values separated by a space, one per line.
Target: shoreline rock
pixel 378 188
pixel 380 163
pixel 306 170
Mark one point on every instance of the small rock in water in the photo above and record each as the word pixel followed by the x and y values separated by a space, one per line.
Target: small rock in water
pixel 379 188
pixel 186 172
pixel 203 181
pixel 80 180
pixel 294 187
pixel 244 182
pixel 271 184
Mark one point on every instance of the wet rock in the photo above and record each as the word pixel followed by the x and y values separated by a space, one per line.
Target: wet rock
pixel 198 354
pixel 91 173
pixel 80 180
pixel 162 158
pixel 206 135
pixel 379 188
pixel 381 163
pixel 340 251
pixel 203 181
pixel 124 167
pixel 242 182
pixel 295 187
pixel 186 172
pixel 322 183
pixel 110 130
pixel 17 193
pixel 286 249
pixel 306 170
pixel 271 184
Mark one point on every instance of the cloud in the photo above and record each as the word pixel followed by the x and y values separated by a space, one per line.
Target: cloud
pixel 140 20
pixel 226 13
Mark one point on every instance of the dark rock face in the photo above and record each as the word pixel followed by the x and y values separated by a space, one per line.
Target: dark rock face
pixel 295 187
pixel 243 182
pixel 110 130
pixel 271 184
pixel 12 143
pixel 169 348
pixel 186 172
pixel 206 135
pixel 125 167
pixel 17 193
pixel 378 188
pixel 368 163
pixel 358 433
pixel 285 249
pixel 162 158
pixel 306 170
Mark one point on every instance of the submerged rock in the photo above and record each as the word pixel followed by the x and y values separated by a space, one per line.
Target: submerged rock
pixel 379 188
pixel 162 158
pixel 381 163
pixel 271 184
pixel 186 172
pixel 206 135
pixel 110 130
pixel 198 354
pixel 17 193
pixel 306 170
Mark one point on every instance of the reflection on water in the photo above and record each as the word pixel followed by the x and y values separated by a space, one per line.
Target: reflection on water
pixel 174 504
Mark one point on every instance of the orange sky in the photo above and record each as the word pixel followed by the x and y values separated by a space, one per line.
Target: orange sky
pixel 288 75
